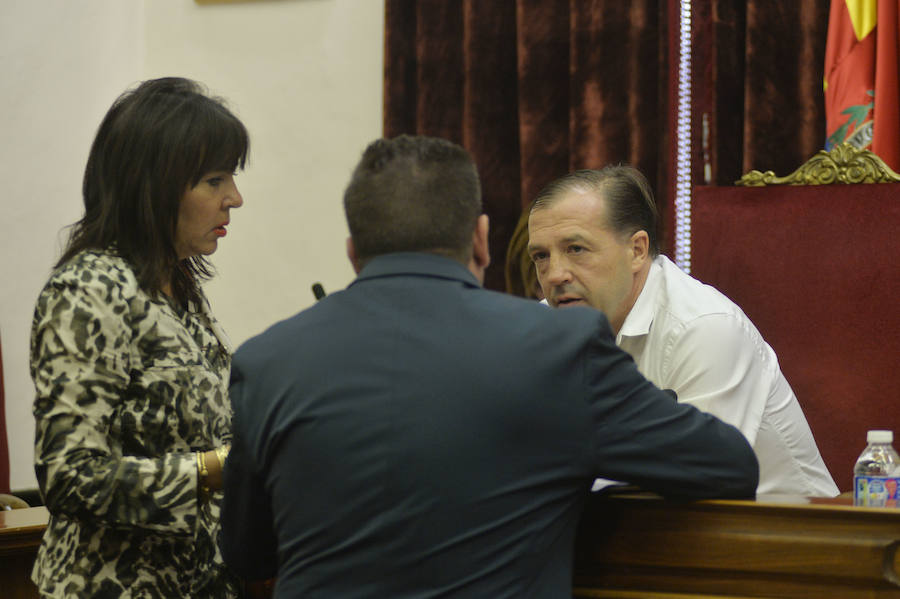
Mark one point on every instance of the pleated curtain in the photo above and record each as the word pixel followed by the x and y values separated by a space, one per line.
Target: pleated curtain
pixel 537 88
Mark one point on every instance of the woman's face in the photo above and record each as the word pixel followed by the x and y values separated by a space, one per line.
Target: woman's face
pixel 203 214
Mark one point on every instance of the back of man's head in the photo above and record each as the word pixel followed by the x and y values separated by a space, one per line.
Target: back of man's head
pixel 630 206
pixel 413 194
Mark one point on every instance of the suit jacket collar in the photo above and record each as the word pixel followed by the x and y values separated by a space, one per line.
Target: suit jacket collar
pixel 416 264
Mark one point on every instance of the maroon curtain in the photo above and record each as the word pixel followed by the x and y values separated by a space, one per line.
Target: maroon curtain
pixel 536 88
pixel 533 89
pixel 758 68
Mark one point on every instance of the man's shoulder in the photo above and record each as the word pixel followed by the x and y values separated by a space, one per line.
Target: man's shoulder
pixel 493 313
pixel 530 309
pixel 686 308
pixel 540 331
pixel 686 298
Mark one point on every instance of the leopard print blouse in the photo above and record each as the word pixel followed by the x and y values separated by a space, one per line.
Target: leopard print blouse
pixel 129 388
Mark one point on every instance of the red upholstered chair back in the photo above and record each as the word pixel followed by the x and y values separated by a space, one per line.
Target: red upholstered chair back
pixel 817 269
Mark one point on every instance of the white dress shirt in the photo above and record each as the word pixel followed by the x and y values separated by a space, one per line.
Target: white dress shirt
pixel 689 337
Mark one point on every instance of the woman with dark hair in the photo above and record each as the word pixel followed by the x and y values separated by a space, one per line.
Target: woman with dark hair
pixel 133 421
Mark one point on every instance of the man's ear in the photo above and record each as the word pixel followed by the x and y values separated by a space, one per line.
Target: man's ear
pixel 351 253
pixel 640 250
pixel 481 255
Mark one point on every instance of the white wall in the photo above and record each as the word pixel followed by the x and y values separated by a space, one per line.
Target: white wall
pixel 303 75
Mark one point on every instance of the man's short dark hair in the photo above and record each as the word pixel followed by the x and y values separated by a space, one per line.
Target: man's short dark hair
pixel 413 194
pixel 629 199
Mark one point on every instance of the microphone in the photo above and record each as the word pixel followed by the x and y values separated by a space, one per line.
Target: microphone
pixel 318 291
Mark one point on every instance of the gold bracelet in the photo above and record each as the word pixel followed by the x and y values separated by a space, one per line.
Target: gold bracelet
pixel 202 474
pixel 222 453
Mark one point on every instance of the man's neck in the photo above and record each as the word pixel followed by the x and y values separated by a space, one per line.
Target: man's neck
pixel 638 282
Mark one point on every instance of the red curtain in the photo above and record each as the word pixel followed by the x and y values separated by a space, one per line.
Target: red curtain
pixel 536 88
pixel 758 69
pixel 533 89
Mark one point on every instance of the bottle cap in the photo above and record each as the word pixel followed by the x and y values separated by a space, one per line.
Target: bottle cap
pixel 880 437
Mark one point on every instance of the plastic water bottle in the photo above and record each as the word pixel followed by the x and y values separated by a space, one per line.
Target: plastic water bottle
pixel 877 471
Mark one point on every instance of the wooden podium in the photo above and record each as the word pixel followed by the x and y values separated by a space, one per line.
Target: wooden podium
pixel 642 547
pixel 638 546
pixel 20 535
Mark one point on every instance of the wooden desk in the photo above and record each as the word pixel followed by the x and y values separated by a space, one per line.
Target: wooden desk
pixel 639 546
pixel 20 535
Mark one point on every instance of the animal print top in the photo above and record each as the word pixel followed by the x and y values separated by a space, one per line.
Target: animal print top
pixel 129 388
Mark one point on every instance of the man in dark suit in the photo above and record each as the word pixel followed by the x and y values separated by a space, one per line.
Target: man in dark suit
pixel 418 436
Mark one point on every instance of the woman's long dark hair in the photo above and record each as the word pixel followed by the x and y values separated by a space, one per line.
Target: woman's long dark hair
pixel 155 142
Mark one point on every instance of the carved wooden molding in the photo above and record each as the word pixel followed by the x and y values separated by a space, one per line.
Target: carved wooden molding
pixel 844 163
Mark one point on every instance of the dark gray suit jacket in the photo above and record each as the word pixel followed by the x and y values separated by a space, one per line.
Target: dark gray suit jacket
pixel 418 436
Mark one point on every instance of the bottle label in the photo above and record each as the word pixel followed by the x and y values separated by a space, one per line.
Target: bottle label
pixel 876 491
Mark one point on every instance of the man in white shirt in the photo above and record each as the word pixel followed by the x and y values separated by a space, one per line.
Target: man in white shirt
pixel 593 240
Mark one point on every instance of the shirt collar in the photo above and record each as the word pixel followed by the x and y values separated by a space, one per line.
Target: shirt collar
pixel 639 319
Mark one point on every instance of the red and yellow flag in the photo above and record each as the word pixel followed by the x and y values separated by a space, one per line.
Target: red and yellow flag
pixel 862 77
